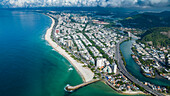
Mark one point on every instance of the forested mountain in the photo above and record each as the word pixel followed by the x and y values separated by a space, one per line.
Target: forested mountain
pixel 158 37
pixel 148 20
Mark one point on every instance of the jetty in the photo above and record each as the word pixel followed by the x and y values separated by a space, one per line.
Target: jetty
pixel 72 88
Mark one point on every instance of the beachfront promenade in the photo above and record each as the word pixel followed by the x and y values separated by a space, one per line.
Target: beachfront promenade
pixel 86 73
pixel 85 78
pixel 128 75
pixel 72 88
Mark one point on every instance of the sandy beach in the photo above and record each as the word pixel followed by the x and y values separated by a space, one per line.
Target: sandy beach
pixel 133 92
pixel 84 72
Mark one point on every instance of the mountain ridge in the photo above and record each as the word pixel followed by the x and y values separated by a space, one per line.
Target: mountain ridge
pixel 148 20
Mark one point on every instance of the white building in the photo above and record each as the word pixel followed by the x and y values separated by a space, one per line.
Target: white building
pixel 114 68
pixel 107 69
pixel 146 69
pixel 61 40
pixel 69 43
pixel 100 62
pixel 129 34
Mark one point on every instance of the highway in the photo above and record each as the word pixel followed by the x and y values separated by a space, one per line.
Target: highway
pixel 121 66
pixel 123 70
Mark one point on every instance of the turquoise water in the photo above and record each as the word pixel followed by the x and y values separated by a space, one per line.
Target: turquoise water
pixel 134 69
pixel 29 66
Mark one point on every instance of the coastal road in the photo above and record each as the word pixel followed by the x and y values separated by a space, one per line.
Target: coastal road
pixel 128 75
pixel 55 39
pixel 120 65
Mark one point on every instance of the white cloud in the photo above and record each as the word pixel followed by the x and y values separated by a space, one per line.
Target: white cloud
pixel 103 3
pixel 158 1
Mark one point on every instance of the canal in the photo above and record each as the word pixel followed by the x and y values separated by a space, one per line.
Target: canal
pixel 134 68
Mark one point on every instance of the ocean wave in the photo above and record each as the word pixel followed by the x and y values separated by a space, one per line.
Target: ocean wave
pixel 47 44
pixel 53 49
pixel 43 37
pixel 70 69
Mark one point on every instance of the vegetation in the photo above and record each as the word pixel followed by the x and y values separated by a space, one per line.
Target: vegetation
pixel 148 20
pixel 84 66
pixel 141 88
pixel 94 77
pixel 111 73
pixel 121 82
pixel 77 59
pixel 90 52
pixel 157 37
pixel 124 62
pixel 100 50
pixel 168 88
pixel 112 24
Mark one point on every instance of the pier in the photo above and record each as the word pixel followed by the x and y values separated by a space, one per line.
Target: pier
pixel 72 88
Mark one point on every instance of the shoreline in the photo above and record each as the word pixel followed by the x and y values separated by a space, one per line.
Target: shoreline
pixel 124 92
pixel 85 73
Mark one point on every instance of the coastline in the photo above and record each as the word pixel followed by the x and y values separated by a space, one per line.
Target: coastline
pixel 124 92
pixel 85 73
pixel 133 93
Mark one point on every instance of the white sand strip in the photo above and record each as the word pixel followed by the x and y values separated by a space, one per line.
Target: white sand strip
pixel 133 92
pixel 84 72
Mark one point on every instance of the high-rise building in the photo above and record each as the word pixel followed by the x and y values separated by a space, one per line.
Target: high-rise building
pixel 107 69
pixel 69 43
pixel 114 68
pixel 100 62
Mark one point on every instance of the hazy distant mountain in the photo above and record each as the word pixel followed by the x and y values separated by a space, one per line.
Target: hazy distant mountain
pixel 148 20
pixel 84 3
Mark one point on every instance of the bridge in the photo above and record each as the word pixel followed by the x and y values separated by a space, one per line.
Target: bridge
pixel 72 88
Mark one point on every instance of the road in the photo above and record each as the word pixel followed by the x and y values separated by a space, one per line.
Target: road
pixel 123 70
pixel 120 66
pixel 55 40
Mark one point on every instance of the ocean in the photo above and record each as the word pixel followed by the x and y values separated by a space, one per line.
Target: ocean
pixel 29 66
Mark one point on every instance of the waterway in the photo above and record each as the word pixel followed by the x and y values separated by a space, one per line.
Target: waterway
pixel 134 68
pixel 29 66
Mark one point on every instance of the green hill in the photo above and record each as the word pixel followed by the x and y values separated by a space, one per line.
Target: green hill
pixel 158 37
pixel 148 20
